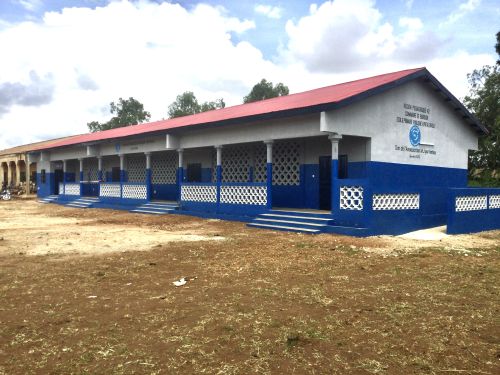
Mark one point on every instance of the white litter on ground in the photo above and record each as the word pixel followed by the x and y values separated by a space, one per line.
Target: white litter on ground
pixel 180 282
pixel 430 234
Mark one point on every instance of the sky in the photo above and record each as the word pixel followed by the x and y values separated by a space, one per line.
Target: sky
pixel 62 62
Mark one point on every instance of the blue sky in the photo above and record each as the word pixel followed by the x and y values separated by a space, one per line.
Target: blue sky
pixel 67 60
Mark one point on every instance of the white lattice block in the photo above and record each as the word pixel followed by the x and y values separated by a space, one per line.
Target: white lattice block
pixel 90 166
pixel 72 189
pixel 260 163
pixel 110 190
pixel 164 168
pixel 136 168
pixel 286 163
pixel 494 201
pixel 471 203
pixel 396 201
pixel 134 191
pixel 251 195
pixel 199 193
pixel 351 197
pixel 61 188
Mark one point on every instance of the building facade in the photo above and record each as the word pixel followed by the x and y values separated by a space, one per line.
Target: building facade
pixel 378 155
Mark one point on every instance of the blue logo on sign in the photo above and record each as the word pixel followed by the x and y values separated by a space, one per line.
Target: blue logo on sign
pixel 117 147
pixel 415 135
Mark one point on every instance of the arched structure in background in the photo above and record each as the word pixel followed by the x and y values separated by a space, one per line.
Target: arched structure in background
pixel 12 173
pixel 21 171
pixel 4 173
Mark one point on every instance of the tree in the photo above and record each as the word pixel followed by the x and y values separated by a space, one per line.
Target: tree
pixel 187 104
pixel 126 112
pixel 265 90
pixel 484 101
pixel 497 47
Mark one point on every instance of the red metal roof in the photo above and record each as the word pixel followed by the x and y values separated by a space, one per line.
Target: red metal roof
pixel 330 94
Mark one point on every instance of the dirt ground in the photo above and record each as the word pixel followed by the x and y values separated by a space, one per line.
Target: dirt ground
pixel 91 291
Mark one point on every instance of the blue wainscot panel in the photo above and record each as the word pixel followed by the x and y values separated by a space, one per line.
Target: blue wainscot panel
pixel 48 187
pixel 356 169
pixel 198 206
pixel 241 209
pixel 475 219
pixel 288 196
pixel 164 191
pixel 393 174
pixel 90 189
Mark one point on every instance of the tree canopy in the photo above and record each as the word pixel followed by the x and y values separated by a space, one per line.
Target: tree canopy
pixel 497 47
pixel 484 101
pixel 126 112
pixel 266 90
pixel 187 104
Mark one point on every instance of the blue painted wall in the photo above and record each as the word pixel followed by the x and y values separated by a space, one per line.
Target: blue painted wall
pixel 404 175
pixel 164 191
pixel 472 221
pixel 206 175
pixel 90 190
pixel 47 188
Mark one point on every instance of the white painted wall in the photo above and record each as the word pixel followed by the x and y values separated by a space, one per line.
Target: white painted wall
pixel 376 117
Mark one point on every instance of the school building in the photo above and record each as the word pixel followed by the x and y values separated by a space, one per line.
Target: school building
pixel 381 155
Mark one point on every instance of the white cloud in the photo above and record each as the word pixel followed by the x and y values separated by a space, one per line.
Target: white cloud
pixel 343 35
pixel 81 59
pixel 463 9
pixel 269 11
pixel 150 51
pixel 30 5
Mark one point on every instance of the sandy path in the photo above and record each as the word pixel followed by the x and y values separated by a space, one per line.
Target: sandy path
pixel 26 227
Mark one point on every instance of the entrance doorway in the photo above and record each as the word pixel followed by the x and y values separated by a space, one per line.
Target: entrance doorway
pixel 58 177
pixel 194 172
pixel 325 182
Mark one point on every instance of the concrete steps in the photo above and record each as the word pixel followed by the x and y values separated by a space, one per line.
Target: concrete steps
pixel 48 199
pixel 293 221
pixel 83 202
pixel 156 208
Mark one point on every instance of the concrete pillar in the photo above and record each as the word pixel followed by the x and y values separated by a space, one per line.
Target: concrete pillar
pixel 9 174
pixel 335 193
pixel 81 176
pixel 99 175
pixel 148 176
pixel 218 172
pixel 180 172
pixel 18 173
pixel 99 168
pixel 122 173
pixel 269 173
pixel 65 165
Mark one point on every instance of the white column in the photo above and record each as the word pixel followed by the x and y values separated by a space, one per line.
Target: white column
pixel 81 168
pixel 180 152
pixel 269 151
pixel 65 164
pixel 334 139
pixel 219 155
pixel 122 162
pixel 269 173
